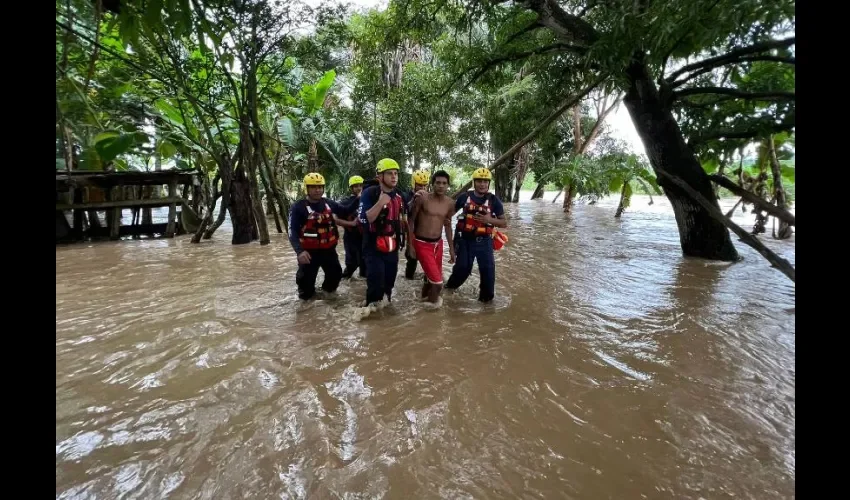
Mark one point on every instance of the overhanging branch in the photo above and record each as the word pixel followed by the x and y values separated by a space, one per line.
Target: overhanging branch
pixel 770 58
pixel 760 96
pixel 567 27
pixel 779 213
pixel 531 27
pixel 567 104
pixel 731 57
pixel 546 49
pixel 768 128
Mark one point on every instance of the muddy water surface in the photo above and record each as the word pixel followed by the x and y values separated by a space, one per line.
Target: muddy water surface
pixel 608 367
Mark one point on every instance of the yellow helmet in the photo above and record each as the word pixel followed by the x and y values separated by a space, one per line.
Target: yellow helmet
pixel 483 174
pixel 387 164
pixel 313 179
pixel 421 177
pixel 354 180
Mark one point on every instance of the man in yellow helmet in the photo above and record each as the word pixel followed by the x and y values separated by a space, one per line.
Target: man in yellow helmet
pixel 382 215
pixel 420 181
pixel 314 235
pixel 482 212
pixel 353 240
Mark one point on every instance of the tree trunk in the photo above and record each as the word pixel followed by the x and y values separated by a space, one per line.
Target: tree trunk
pixel 521 170
pixel 241 209
pixel 700 235
pixel 538 191
pixel 721 169
pixel 313 156
pixel 222 211
pixel 557 195
pixel 502 181
pixel 568 198
pixel 206 194
pixel 517 187
pixel 625 199
pixel 711 207
pixel 262 223
pixel 270 208
pixel 760 189
pixel 761 204
pixel 732 210
pixel 778 191
pixel 259 215
pixel 282 209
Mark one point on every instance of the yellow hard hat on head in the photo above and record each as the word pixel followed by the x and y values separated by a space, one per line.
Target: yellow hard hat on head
pixel 387 164
pixel 483 174
pixel 354 180
pixel 313 179
pixel 421 177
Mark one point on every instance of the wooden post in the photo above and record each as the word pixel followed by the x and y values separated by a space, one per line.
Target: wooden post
pixel 172 209
pixel 113 216
pixel 79 232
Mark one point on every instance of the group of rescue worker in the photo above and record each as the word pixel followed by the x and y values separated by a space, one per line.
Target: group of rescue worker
pixel 379 220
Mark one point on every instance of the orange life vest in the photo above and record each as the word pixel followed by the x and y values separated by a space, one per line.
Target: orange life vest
pixel 467 225
pixel 319 231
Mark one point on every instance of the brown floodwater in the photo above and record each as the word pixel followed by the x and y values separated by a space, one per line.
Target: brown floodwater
pixel 608 367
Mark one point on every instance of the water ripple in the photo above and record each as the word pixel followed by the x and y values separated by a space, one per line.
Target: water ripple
pixel 609 366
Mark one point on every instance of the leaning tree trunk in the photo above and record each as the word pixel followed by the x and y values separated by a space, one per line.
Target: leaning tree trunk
pixel 222 211
pixel 778 191
pixel 700 235
pixel 538 191
pixel 521 170
pixel 570 190
pixel 625 199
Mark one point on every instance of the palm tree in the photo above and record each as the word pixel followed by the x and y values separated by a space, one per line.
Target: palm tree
pixel 629 171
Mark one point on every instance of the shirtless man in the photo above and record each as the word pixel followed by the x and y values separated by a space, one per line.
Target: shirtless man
pixel 430 215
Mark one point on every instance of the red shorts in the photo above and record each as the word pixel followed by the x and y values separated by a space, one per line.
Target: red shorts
pixel 430 256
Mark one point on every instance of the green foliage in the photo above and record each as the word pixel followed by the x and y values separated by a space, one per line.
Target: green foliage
pixel 111 144
pixel 171 81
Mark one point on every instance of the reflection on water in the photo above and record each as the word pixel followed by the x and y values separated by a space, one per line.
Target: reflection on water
pixel 608 367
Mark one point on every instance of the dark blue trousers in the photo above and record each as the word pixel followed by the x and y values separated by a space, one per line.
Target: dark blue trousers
pixel 467 250
pixel 305 278
pixel 381 270
pixel 353 243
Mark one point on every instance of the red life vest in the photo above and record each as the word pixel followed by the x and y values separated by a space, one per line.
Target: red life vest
pixel 390 218
pixel 467 225
pixel 388 226
pixel 319 231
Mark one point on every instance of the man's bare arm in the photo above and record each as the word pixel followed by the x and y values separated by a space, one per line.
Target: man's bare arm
pixel 411 218
pixel 447 225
